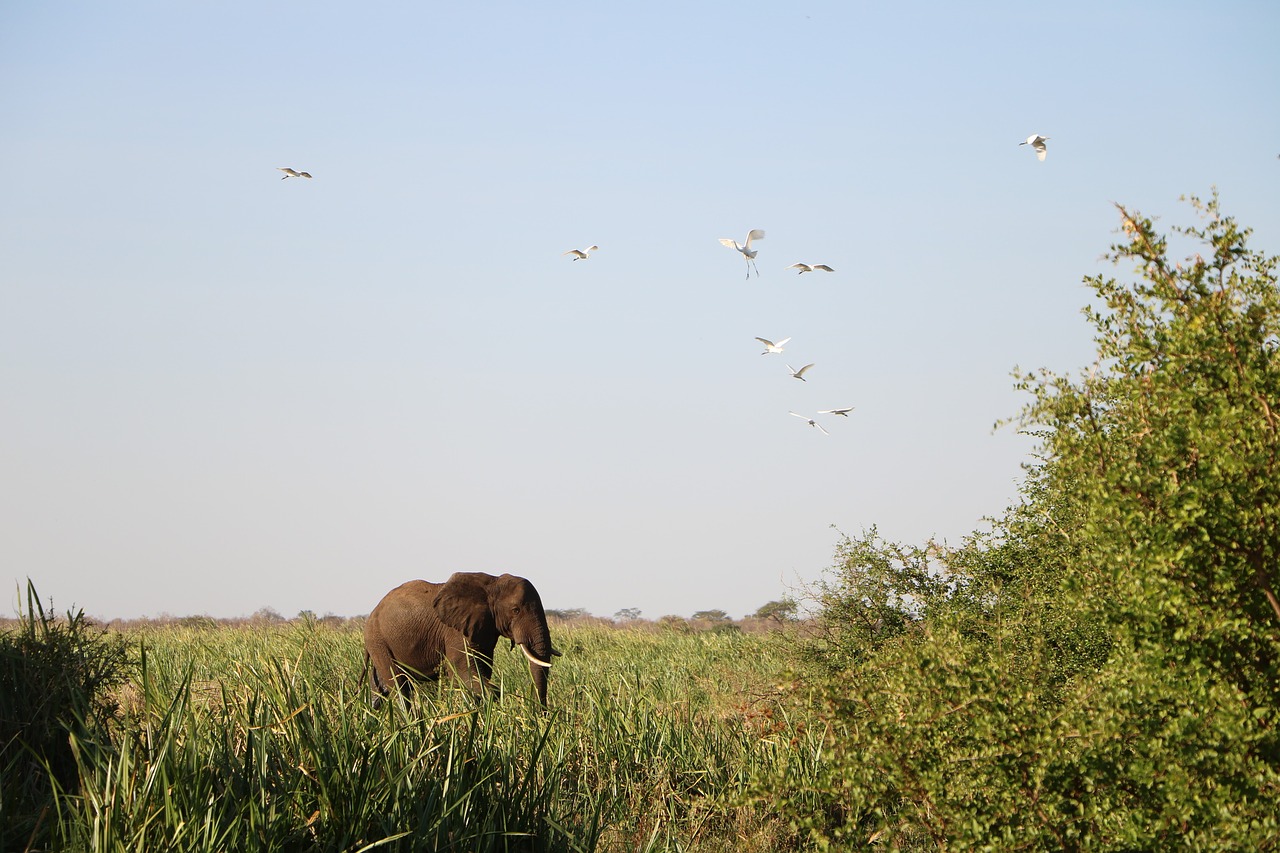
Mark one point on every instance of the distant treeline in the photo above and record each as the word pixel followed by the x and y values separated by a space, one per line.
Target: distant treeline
pixel 769 617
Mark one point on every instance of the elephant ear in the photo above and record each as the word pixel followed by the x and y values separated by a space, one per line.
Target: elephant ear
pixel 463 604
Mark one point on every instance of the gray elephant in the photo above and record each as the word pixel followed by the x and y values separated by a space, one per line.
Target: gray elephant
pixel 421 630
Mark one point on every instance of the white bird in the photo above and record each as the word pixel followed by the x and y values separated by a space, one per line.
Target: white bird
pixel 581 254
pixel 290 173
pixel 804 268
pixel 747 252
pixel 844 413
pixel 1037 142
pixel 770 346
pixel 799 374
pixel 811 422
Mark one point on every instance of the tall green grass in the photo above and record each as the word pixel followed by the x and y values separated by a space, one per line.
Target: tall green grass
pixel 265 739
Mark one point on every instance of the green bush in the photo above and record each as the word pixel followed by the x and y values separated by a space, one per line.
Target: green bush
pixel 57 678
pixel 1102 669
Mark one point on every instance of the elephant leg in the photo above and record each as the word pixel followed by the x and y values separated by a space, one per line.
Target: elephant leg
pixel 472 668
pixel 402 678
pixel 382 674
pixel 376 689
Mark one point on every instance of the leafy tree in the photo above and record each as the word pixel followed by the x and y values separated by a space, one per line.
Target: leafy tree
pixel 267 616
pixel 711 616
pixel 627 614
pixel 777 611
pixel 568 615
pixel 1170 443
pixel 1101 669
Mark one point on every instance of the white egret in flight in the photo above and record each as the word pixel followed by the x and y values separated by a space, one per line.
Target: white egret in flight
pixel 581 254
pixel 291 173
pixel 799 374
pixel 770 346
pixel 810 421
pixel 844 413
pixel 1037 141
pixel 748 253
pixel 804 268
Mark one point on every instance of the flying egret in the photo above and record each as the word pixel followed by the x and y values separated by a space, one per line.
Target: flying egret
pixel 810 421
pixel 1037 142
pixel 291 173
pixel 770 346
pixel 844 413
pixel 799 374
pixel 804 268
pixel 581 254
pixel 748 254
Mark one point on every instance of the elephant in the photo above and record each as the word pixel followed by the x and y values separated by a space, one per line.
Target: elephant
pixel 420 630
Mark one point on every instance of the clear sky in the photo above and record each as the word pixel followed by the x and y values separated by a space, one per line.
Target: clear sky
pixel 222 391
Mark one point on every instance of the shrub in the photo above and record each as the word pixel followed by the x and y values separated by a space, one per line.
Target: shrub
pixel 1102 669
pixel 56 680
pixel 780 611
pixel 678 624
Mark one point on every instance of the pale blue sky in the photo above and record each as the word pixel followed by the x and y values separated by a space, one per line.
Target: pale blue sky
pixel 222 391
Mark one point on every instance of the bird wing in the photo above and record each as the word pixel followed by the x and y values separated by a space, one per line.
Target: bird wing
pixel 801 267
pixel 725 241
pixel 754 234
pixel 823 267
pixel 304 174
pixel 781 342
pixel 819 426
pixel 801 371
pixel 765 342
pixel 1041 150
pixel 806 417
pixel 286 170
pixel 844 412
pixel 577 252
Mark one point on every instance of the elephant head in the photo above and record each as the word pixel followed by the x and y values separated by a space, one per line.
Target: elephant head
pixel 423 630
pixel 483 607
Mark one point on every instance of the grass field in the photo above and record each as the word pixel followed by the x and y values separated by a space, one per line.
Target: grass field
pixel 263 738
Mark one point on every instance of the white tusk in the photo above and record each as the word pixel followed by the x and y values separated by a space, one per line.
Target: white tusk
pixel 532 659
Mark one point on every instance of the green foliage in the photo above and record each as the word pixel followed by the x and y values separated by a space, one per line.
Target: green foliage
pixel 57 678
pixel 711 616
pixel 569 615
pixel 675 624
pixel 1170 445
pixel 783 610
pixel 879 591
pixel 1102 669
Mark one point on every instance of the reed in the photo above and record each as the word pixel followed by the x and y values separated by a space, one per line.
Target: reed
pixel 263 738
